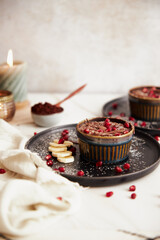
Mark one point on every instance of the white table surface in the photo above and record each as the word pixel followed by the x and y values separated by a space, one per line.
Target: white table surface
pixel 118 217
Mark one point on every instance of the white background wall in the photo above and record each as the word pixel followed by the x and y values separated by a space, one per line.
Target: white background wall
pixel 110 44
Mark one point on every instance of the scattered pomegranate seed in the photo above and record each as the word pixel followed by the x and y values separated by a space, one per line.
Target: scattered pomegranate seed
pixel 86 130
pixel 61 141
pixel 2 170
pixel 143 124
pixel 126 166
pixel 80 173
pixel 135 124
pixel 99 164
pixel 122 114
pixel 73 150
pixel 107 124
pixel 109 129
pixel 125 132
pixel 131 118
pixel 109 194
pixel 132 188
pixel 59 198
pixel 117 134
pixel 63 134
pixel 114 105
pixel 49 162
pixel 35 133
pixel 48 157
pixel 133 195
pixel 55 169
pixel 118 169
pixel 61 169
pixel 66 137
pixel 66 131
pixel 114 128
pixel 157 138
pixel 107 120
pixel 110 113
pixel 126 124
pixel 100 130
pixel 145 90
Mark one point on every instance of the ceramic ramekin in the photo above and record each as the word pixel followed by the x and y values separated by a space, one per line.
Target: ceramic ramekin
pixel 144 108
pixel 107 149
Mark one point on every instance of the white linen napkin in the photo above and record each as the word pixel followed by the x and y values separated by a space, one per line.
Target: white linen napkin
pixel 29 189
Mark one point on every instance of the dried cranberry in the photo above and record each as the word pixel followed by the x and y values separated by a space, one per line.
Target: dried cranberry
pixel 132 188
pixel 80 173
pixel 109 194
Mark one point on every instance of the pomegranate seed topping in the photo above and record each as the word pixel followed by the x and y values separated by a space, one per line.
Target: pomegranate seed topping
pixel 133 195
pixel 114 105
pixel 66 137
pixel 122 114
pixel 126 166
pixel 151 93
pixel 99 164
pixel 110 113
pixel 117 134
pixel 2 170
pixel 80 173
pixel 49 162
pixel 157 138
pixel 145 90
pixel 61 169
pixel 113 128
pixel 86 130
pixel 61 141
pixel 118 169
pixel 35 133
pixel 131 118
pixel 126 124
pixel 135 124
pixel 107 120
pixel 63 134
pixel 107 124
pixel 59 198
pixel 73 150
pixel 132 188
pixel 125 132
pixel 66 131
pixel 153 88
pixel 48 157
pixel 109 129
pixel 109 194
pixel 143 124
pixel 100 130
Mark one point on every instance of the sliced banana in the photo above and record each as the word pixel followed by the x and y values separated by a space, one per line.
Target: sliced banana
pixel 61 154
pixel 53 144
pixel 58 149
pixel 68 159
pixel 66 143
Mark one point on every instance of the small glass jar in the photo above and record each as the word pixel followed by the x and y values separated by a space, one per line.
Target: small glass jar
pixel 7 105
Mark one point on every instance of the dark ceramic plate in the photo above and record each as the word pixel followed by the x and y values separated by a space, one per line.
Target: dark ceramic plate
pixel 152 128
pixel 143 158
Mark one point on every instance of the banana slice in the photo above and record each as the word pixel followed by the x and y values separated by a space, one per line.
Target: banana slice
pixel 68 159
pixel 66 143
pixel 61 154
pixel 57 149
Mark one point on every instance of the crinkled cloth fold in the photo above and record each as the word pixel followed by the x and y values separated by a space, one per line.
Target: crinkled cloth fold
pixel 29 188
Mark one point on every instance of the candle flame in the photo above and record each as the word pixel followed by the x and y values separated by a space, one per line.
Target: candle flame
pixel 10 58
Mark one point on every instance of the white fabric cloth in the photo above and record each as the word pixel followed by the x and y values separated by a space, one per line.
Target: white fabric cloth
pixel 29 188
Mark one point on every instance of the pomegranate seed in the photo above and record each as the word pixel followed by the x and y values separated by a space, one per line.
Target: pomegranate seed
pixel 145 90
pixel 100 130
pixel 109 194
pixel 132 188
pixel 49 162
pixel 109 129
pixel 143 124
pixel 110 113
pixel 80 173
pixel 117 134
pixel 66 131
pixel 114 105
pixel 35 133
pixel 114 128
pixel 99 164
pixel 118 169
pixel 55 169
pixel 126 124
pixel 48 157
pixel 61 169
pixel 122 114
pixel 151 93
pixel 73 150
pixel 133 195
pixel 65 137
pixel 131 118
pixel 125 132
pixel 86 130
pixel 59 198
pixel 126 166
pixel 107 124
pixel 157 138
pixel 61 141
pixel 63 134
pixel 135 124
pixel 107 120
pixel 2 170
pixel 153 88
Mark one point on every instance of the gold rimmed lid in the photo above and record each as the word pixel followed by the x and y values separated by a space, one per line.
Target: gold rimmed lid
pixel 147 98
pixel 6 96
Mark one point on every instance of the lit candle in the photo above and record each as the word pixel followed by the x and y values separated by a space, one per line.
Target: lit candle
pixel 13 79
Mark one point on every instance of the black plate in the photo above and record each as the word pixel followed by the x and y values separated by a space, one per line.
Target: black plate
pixel 152 128
pixel 143 158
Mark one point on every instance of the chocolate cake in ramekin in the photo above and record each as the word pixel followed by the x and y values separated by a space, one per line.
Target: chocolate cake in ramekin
pixel 104 139
pixel 145 103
